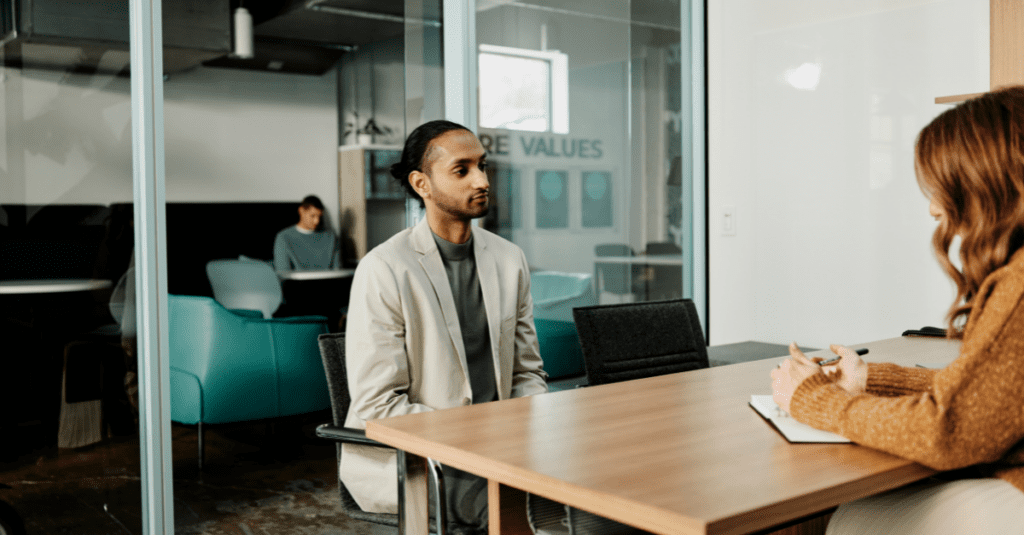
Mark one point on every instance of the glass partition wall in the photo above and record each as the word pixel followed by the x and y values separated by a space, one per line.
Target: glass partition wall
pixel 69 385
pixel 582 106
pixel 580 110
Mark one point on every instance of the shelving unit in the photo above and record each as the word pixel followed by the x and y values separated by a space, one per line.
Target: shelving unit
pixel 1006 48
pixel 372 202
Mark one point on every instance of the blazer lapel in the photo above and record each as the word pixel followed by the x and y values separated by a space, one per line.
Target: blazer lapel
pixel 423 242
pixel 487 271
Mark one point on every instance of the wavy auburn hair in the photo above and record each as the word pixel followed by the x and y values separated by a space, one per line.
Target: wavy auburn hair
pixel 970 161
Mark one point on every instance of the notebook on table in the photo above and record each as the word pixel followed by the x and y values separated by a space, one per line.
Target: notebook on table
pixel 791 429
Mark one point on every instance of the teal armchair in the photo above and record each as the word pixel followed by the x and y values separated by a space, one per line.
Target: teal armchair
pixel 555 294
pixel 559 348
pixel 233 366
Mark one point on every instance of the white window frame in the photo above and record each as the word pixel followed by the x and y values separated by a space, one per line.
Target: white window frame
pixel 558 63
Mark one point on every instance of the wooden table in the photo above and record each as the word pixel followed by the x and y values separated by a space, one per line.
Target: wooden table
pixel 680 453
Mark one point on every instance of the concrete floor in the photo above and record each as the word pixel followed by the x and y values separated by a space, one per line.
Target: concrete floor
pixel 259 479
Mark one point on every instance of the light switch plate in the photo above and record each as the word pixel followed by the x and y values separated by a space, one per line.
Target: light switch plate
pixel 728 220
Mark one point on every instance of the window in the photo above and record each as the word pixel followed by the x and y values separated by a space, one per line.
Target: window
pixel 524 89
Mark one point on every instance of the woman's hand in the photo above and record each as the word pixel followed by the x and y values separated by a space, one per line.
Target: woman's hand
pixel 851 373
pixel 790 374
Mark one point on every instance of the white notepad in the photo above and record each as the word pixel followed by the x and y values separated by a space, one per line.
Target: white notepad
pixel 793 430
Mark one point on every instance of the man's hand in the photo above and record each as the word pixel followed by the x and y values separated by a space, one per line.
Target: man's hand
pixel 788 376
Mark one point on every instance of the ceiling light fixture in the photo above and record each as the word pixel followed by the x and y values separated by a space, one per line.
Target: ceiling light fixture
pixel 243 34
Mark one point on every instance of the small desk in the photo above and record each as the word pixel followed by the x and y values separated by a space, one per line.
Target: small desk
pixel 680 453
pixel 319 274
pixel 662 275
pixel 644 260
pixel 42 286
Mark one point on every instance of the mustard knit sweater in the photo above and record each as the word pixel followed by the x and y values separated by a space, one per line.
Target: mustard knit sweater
pixel 970 413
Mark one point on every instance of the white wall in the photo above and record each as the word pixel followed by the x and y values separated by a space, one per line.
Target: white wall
pixel 833 235
pixel 230 135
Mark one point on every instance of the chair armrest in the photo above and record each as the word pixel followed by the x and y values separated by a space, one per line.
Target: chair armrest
pixel 246 313
pixel 347 435
pixel 186 396
pixel 551 303
pixel 300 319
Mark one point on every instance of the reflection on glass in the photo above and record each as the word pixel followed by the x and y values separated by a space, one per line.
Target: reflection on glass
pixel 506 211
pixel 552 202
pixel 805 77
pixel 596 200
pixel 606 176
pixel 67 304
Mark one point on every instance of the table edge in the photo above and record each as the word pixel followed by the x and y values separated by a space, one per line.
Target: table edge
pixel 623 510
pixel 540 484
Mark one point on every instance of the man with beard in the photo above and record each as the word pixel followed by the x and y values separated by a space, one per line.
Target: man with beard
pixel 440 316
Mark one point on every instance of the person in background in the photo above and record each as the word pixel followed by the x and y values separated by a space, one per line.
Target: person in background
pixel 968 418
pixel 307 245
pixel 440 316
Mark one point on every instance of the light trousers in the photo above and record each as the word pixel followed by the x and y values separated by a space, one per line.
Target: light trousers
pixel 966 506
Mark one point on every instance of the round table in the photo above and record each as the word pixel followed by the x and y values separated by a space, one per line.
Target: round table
pixel 85 415
pixel 322 292
pixel 319 274
pixel 45 286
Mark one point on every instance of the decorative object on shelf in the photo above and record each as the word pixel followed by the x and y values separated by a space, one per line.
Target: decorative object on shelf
pixel 365 134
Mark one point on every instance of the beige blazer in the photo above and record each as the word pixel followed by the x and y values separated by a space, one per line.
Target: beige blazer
pixel 403 344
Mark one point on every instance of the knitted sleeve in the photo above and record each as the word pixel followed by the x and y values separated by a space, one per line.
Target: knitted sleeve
pixel 968 413
pixel 886 379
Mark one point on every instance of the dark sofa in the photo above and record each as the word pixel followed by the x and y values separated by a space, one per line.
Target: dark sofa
pixel 96 241
pixel 200 232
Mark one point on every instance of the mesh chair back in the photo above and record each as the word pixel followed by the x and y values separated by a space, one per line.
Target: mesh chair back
pixel 247 284
pixel 663 247
pixel 332 352
pixel 636 340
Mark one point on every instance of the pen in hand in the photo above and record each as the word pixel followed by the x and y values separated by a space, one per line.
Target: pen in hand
pixel 862 351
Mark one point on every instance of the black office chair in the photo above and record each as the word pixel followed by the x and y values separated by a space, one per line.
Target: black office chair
pixel 615 277
pixel 664 282
pixel 332 351
pixel 637 340
pixel 663 248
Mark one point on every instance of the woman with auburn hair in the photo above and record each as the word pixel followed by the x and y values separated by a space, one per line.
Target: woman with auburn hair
pixel 968 418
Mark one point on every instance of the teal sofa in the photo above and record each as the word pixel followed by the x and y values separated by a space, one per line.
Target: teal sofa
pixel 233 366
